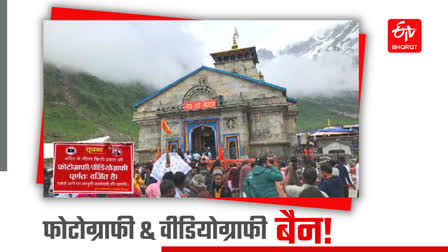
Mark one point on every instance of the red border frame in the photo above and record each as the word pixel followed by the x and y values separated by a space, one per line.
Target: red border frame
pixel 58 13
pixel 302 249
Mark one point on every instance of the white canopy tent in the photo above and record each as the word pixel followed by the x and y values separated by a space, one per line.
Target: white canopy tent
pixel 176 164
pixel 48 147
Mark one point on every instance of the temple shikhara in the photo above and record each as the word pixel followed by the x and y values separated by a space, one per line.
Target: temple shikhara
pixel 230 105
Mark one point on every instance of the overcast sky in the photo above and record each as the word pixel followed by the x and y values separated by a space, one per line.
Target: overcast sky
pixel 159 52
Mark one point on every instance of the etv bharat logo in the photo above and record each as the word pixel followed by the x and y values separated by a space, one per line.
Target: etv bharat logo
pixel 408 32
pixel 405 35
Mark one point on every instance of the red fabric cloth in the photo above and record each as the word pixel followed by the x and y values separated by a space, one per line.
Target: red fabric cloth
pixel 233 177
pixel 203 193
pixel 243 174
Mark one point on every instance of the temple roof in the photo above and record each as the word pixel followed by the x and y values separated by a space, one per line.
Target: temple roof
pixel 332 131
pixel 214 70
pixel 236 54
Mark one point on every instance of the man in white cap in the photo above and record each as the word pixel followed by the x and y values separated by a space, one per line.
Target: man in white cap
pixel 201 189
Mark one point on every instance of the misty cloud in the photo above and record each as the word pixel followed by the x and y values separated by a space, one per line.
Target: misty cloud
pixel 154 53
pixel 265 54
pixel 323 64
pixel 326 74
pixel 158 53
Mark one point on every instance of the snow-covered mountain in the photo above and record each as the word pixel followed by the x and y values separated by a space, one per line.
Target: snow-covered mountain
pixel 343 38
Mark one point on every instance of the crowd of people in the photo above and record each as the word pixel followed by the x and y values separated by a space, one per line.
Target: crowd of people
pixel 261 178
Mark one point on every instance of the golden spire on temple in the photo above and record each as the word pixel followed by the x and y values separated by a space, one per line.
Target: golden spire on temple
pixel 235 37
pixel 329 125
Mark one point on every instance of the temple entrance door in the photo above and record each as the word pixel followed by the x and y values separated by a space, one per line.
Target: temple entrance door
pixel 232 150
pixel 203 138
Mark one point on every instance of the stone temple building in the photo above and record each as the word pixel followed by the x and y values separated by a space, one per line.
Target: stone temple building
pixel 230 105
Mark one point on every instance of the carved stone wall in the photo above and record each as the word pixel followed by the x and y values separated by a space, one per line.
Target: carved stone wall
pixel 260 115
pixel 229 87
pixel 200 93
pixel 243 67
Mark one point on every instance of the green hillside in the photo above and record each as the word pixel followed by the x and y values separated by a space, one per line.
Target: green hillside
pixel 79 106
pixel 315 111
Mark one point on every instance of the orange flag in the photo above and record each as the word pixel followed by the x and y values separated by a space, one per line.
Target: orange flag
pixel 220 154
pixel 165 127
pixel 158 153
